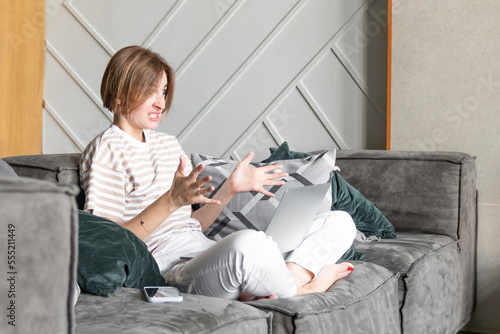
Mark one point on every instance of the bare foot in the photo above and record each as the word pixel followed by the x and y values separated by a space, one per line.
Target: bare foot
pixel 327 276
pixel 245 297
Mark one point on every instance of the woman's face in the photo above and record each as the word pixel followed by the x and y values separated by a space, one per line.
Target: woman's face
pixel 147 115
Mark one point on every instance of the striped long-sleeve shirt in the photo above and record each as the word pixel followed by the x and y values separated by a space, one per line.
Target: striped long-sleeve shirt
pixel 121 176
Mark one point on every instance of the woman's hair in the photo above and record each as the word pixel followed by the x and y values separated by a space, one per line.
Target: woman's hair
pixel 132 75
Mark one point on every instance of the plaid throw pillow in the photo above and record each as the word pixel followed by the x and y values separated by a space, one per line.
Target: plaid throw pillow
pixel 253 210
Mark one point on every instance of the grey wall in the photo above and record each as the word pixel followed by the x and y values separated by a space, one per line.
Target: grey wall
pixel 446 96
pixel 250 74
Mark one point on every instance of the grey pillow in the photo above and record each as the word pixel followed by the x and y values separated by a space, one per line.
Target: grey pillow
pixel 253 210
pixel 6 170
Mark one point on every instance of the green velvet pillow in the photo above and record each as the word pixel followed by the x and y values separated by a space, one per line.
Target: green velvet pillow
pixel 366 216
pixel 110 256
pixel 283 153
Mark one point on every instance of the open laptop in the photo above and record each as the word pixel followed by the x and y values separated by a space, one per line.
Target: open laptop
pixel 295 214
pixel 293 217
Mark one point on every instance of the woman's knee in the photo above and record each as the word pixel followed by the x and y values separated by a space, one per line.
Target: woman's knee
pixel 347 223
pixel 341 223
pixel 249 241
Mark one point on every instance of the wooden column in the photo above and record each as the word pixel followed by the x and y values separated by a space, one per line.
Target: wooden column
pixel 22 62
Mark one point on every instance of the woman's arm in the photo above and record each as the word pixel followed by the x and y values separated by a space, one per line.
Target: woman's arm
pixel 185 190
pixel 243 178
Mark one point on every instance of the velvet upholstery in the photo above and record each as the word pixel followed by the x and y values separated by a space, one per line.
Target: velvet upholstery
pixel 38 226
pixel 422 282
pixel 129 312
pixel 111 257
pixel 6 169
pixel 364 302
pixel 426 193
pixel 416 191
pixel 60 168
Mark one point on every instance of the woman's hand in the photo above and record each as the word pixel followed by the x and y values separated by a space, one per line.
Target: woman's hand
pixel 248 178
pixel 186 190
pixel 243 178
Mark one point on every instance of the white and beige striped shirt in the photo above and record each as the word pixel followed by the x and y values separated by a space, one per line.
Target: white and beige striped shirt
pixel 121 176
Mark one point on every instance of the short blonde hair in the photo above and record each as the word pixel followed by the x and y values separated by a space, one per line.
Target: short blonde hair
pixel 132 75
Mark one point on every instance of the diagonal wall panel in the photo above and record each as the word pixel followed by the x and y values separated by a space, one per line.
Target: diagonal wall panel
pixel 251 74
pixel 291 47
pixel 209 75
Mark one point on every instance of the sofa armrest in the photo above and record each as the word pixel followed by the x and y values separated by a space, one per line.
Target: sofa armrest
pixel 423 192
pixel 38 238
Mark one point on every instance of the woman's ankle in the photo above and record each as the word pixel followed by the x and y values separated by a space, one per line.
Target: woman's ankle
pixel 326 278
pixel 301 275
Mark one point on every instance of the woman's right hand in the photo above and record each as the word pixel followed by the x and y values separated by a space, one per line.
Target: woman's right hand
pixel 186 190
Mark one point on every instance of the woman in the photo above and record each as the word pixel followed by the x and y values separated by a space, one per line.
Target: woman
pixel 144 181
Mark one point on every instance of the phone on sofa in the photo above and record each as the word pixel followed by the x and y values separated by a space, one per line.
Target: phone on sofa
pixel 162 294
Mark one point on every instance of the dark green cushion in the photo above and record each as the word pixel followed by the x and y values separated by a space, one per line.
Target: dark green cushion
pixel 283 153
pixel 366 216
pixel 110 256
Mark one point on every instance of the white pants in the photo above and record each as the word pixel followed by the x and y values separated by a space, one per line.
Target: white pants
pixel 249 260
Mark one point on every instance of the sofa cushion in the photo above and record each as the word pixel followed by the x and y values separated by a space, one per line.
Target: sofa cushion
pixel 365 300
pixel 431 279
pixel 398 255
pixel 366 216
pixel 254 210
pixel 110 256
pixel 129 312
pixel 437 292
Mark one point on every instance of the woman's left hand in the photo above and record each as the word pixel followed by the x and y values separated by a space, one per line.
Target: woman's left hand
pixel 248 178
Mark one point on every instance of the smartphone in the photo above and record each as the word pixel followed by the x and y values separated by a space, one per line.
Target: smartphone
pixel 162 294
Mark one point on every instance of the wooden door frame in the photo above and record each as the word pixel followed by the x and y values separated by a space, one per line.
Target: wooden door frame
pixel 22 55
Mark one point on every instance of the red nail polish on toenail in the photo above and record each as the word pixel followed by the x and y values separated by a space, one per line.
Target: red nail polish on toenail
pixel 350 268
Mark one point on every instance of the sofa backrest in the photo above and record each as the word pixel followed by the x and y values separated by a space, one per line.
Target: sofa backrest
pixel 61 168
pixel 424 192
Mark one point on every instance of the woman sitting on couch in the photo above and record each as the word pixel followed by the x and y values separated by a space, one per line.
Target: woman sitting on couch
pixel 144 181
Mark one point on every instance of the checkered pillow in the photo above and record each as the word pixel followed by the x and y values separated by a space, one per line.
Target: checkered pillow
pixel 253 210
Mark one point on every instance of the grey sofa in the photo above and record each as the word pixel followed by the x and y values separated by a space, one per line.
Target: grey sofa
pixel 422 282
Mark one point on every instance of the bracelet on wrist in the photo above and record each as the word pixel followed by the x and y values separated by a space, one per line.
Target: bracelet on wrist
pixel 143 224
